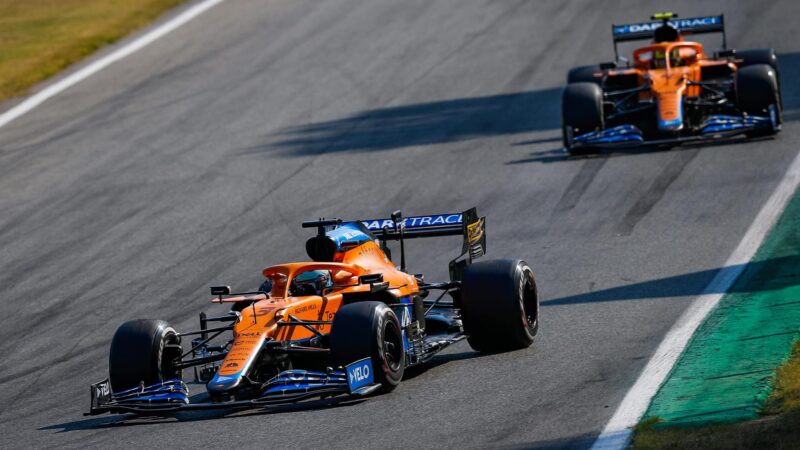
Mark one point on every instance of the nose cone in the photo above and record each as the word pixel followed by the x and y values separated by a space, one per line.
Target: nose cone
pixel 670 112
pixel 670 125
pixel 223 383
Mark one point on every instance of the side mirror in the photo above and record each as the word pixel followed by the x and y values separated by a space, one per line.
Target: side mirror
pixel 608 65
pixel 371 278
pixel 266 286
pixel 727 53
pixel 220 290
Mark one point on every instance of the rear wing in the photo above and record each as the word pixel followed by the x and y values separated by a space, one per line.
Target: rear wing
pixel 644 30
pixel 467 224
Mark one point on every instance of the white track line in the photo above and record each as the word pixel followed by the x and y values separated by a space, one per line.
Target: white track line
pixel 54 89
pixel 617 433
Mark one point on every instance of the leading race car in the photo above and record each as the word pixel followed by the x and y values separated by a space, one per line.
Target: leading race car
pixel 349 322
pixel 673 92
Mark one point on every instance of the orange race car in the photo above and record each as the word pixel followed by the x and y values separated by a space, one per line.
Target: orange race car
pixel 349 322
pixel 673 92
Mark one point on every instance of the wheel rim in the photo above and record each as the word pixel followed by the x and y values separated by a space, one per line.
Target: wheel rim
pixel 166 367
pixel 530 310
pixel 392 346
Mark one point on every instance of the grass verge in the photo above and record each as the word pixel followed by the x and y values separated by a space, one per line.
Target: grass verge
pixel 38 38
pixel 778 428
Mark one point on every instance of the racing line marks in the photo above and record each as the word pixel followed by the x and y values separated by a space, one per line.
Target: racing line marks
pixel 132 47
pixel 579 184
pixel 656 190
pixel 618 431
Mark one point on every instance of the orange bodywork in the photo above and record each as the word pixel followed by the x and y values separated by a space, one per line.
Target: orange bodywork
pixel 268 316
pixel 667 68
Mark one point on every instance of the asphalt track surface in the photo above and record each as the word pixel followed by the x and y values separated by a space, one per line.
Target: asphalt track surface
pixel 194 161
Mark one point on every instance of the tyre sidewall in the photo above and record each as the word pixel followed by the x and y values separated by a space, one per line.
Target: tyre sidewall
pixel 137 354
pixel 493 305
pixel 358 332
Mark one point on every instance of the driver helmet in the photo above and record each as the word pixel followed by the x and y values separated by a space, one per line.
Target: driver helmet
pixel 659 59
pixel 675 59
pixel 312 282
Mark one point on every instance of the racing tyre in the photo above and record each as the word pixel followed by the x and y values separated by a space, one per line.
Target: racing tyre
pixel 757 93
pixel 761 56
pixel 142 351
pixel 583 74
pixel 499 305
pixel 581 111
pixel 370 329
pixel 758 56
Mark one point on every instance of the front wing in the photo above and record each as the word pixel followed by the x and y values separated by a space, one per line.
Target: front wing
pixel 715 127
pixel 289 386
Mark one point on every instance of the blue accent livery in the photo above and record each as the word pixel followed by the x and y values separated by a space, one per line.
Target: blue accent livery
pixel 705 24
pixel 359 374
pixel 348 233
pixel 438 220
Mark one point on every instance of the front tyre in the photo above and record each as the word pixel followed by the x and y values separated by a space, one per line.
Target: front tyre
pixel 143 351
pixel 370 329
pixel 581 112
pixel 499 305
pixel 758 94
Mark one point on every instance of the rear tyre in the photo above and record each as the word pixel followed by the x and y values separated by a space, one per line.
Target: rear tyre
pixel 581 111
pixel 499 305
pixel 757 93
pixel 142 351
pixel 370 329
pixel 758 56
pixel 584 74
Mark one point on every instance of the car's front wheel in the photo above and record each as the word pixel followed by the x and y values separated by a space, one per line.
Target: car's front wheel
pixel 758 94
pixel 370 329
pixel 581 112
pixel 143 351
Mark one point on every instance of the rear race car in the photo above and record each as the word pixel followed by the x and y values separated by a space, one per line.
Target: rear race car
pixel 672 92
pixel 347 323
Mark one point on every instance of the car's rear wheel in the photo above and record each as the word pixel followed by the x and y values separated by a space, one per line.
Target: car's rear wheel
pixel 581 111
pixel 499 305
pixel 370 329
pixel 584 74
pixel 757 93
pixel 143 351
pixel 758 56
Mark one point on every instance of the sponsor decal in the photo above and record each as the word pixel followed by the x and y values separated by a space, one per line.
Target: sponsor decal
pixel 305 308
pixel 475 231
pixel 232 365
pixel 415 222
pixel 678 24
pixel 359 374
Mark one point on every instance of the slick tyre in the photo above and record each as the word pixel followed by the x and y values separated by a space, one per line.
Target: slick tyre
pixel 499 305
pixel 583 74
pixel 761 56
pixel 757 93
pixel 581 111
pixel 142 351
pixel 758 56
pixel 370 329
